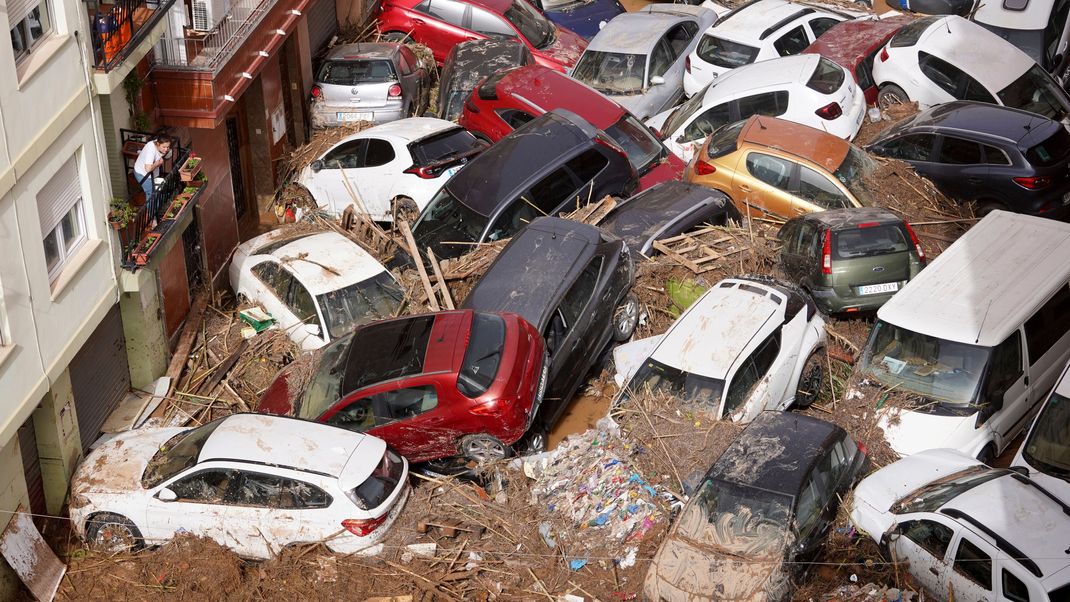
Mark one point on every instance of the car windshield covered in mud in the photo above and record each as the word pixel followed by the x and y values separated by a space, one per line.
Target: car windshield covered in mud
pixel 738 519
pixel 179 453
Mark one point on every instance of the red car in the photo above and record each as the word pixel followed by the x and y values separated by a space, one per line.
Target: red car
pixel 509 99
pixel 442 24
pixel 853 44
pixel 432 385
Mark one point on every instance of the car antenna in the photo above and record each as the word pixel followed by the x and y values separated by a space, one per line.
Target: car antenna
pixel 758 118
pixel 983 318
pixel 947 24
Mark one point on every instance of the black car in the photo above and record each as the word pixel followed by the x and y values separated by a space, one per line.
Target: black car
pixel 469 62
pixel 666 210
pixel 760 514
pixel 557 162
pixel 572 282
pixel 999 157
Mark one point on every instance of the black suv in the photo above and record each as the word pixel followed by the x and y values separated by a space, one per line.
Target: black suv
pixel 556 162
pixel 999 157
pixel 572 282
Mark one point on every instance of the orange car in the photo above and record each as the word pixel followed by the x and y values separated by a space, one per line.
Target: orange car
pixel 768 165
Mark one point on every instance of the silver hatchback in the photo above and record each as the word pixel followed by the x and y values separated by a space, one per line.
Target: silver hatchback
pixel 377 82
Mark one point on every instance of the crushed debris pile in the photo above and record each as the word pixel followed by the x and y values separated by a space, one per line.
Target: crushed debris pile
pixel 889 117
pixel 321 142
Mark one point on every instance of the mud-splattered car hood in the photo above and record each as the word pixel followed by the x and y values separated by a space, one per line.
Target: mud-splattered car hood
pixel 116 466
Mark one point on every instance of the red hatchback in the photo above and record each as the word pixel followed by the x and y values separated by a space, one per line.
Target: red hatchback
pixel 432 386
pixel 853 44
pixel 442 24
pixel 509 99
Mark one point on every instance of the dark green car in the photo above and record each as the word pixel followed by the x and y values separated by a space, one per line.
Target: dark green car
pixel 850 260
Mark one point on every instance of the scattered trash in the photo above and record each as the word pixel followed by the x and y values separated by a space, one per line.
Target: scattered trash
pixel 423 549
pixel 257 318
pixel 577 563
pixel 544 531
pixel 629 558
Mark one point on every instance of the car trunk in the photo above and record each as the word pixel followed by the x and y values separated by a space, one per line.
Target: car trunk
pixel 361 84
pixel 870 259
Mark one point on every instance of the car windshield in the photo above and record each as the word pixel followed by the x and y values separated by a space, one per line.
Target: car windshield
pixel 444 145
pixel 931 496
pixel 1035 91
pixel 868 240
pixel 655 377
pixel 679 116
pixel 725 53
pixel 376 298
pixel 1048 447
pixel 738 519
pixel 447 220
pixel 851 173
pixel 946 373
pixel 354 72
pixel 177 454
pixel 455 104
pixel 911 32
pixel 325 388
pixel 611 72
pixel 638 142
pixel 1051 151
pixel 483 356
pixel 533 26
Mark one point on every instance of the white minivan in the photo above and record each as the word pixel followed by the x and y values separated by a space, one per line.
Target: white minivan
pixel 1046 451
pixel 977 339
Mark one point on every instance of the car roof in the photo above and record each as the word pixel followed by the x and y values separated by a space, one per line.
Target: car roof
pixel 780 71
pixel 401 130
pixel 775 452
pixel 796 139
pixel 549 89
pixel 497 6
pixel 748 22
pixel 983 55
pixel 984 119
pixel 535 268
pixel 719 327
pixel 634 33
pixel 987 282
pixel 678 8
pixel 363 50
pixel 504 168
pixel 851 217
pixel 849 42
pixel 472 60
pixel 403 347
pixel 327 261
pixel 640 217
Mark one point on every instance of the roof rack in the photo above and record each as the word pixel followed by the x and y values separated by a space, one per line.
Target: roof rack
pixel 781 23
pixel 1001 543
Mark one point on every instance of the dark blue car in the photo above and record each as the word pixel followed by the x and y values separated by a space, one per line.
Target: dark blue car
pixel 581 16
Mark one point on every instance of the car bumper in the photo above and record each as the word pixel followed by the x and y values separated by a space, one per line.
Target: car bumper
pixel 348 543
pixel 328 116
pixel 1054 205
pixel 694 83
pixel 831 302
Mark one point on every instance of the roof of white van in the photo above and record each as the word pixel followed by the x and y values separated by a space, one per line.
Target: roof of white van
pixel 986 283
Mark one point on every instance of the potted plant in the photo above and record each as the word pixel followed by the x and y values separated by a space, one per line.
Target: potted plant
pixel 190 168
pixel 141 252
pixel 121 213
pixel 199 180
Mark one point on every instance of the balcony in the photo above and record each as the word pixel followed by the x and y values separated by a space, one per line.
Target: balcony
pixel 122 26
pixel 208 52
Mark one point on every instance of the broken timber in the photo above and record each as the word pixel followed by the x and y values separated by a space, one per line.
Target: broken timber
pixel 694 255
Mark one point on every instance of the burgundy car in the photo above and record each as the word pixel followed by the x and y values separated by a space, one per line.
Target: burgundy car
pixel 432 385
pixel 853 44
pixel 509 99
pixel 442 24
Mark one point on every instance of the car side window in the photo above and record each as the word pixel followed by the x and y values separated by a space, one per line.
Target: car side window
pixel 750 372
pixel 274 277
pixel 587 165
pixel 380 152
pixel 349 155
pixel 789 236
pixel 706 123
pixel 822 24
pixel 541 199
pixel 774 171
pixel 272 491
pixel 661 59
pixel 1049 324
pixel 1014 589
pixel 819 190
pixel 489 24
pixel 408 402
pixel 1005 365
pixel 930 535
pixel 207 486
pixel 514 117
pixel 973 563
pixel 956 151
pixel 806 239
pixel 445 10
pixel 995 156
pixel 912 147
pixel 940 72
pixel 808 510
pixel 679 37
pixel 577 298
pixel 768 103
pixel 299 300
pixel 975 91
pixel 793 42
pixel 863 73
pixel 359 416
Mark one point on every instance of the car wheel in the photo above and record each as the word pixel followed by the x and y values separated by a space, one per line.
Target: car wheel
pixel 404 208
pixel 483 448
pixel 987 455
pixel 397 36
pixel 891 94
pixel 626 318
pixel 986 207
pixel 811 379
pixel 112 533
pixel 535 441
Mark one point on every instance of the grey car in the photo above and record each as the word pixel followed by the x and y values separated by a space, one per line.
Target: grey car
pixel 377 82
pixel 638 58
pixel 665 210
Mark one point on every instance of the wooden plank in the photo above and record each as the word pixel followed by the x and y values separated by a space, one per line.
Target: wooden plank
pixel 446 298
pixel 221 370
pixel 419 261
pixel 185 340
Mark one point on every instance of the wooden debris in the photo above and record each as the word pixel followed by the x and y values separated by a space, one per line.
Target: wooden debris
pixel 447 300
pixel 694 255
pixel 418 260
pixel 593 213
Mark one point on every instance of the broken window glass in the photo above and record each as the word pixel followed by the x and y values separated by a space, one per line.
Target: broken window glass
pixel 207 486
pixel 273 491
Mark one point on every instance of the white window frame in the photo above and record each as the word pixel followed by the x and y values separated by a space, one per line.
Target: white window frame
pixel 20 14
pixel 61 200
pixel 65 251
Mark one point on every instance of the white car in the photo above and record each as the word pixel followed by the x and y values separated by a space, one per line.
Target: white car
pixel 404 161
pixel 318 286
pixel 745 346
pixel 807 89
pixel 1045 454
pixel 965 530
pixel 925 62
pixel 756 31
pixel 252 482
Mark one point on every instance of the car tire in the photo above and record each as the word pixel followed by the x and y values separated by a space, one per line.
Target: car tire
pixel 112 532
pixel 483 448
pixel 397 36
pixel 891 94
pixel 811 379
pixel 986 207
pixel 403 207
pixel 626 318
pixel 987 455
pixel 535 441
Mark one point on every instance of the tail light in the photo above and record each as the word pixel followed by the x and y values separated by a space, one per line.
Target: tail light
pixel 830 111
pixel 884 54
pixel 317 93
pixel 826 254
pixel 687 64
pixel 490 408
pixel 394 91
pixel 1034 182
pixel 917 244
pixel 428 173
pixel 605 141
pixel 362 527
pixel 703 168
pixel 862 448
pixel 868 224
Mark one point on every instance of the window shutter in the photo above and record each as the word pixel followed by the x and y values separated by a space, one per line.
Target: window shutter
pixel 18 9
pixel 58 196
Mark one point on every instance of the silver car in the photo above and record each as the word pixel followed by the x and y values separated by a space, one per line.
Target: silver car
pixel 376 82
pixel 638 58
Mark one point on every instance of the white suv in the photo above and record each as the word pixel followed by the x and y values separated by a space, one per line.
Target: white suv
pixel 254 483
pixel 965 529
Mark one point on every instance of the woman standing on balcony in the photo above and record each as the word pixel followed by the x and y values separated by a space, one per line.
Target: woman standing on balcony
pixel 148 163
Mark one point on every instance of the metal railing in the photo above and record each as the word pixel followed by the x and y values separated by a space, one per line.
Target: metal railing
pixel 214 49
pixel 116 32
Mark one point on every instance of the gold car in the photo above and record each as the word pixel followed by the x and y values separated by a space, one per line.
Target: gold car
pixel 768 165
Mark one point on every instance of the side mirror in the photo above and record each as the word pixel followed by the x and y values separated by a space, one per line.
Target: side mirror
pixel 657 80
pixel 316 165
pixel 166 495
pixel 313 329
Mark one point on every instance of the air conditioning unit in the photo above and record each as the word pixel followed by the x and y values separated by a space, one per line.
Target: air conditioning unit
pixel 208 13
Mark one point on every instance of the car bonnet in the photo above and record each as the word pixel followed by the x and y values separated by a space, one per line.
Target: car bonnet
pixel 116 466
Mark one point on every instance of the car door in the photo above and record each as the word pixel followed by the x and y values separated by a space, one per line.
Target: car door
pixel 579 330
pixel 916 149
pixel 1047 335
pixel 923 544
pixel 443 26
pixel 1004 399
pixel 328 186
pixel 959 167
pixel 970 579
pixel 794 41
pixel 488 24
pixel 663 96
pixel 748 388
pixel 269 512
pixel 276 283
pixel 308 331
pixel 678 38
pixel 405 414
pixel 946 81
pixel 199 508
pixel 376 176
pixel 767 189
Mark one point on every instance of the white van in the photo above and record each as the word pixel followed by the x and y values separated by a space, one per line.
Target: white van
pixel 1046 451
pixel 977 339
pixel 1037 27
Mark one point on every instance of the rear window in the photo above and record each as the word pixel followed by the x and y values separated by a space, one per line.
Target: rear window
pixel 387 350
pixel 353 72
pixel 869 241
pixel 723 141
pixel 637 141
pixel 911 32
pixel 724 53
pixel 483 356
pixel 827 78
pixel 1051 151
pixel 375 490
pixel 443 146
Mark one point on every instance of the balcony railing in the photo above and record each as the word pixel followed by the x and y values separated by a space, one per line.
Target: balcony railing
pixel 212 50
pixel 119 27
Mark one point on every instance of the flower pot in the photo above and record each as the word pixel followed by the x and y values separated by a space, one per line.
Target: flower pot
pixel 190 168
pixel 141 252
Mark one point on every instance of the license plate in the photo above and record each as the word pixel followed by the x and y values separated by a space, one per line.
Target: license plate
pixel 354 116
pixel 872 289
pixel 449 172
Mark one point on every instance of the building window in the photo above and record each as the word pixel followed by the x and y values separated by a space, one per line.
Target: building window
pixel 29 24
pixel 64 239
pixel 62 213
